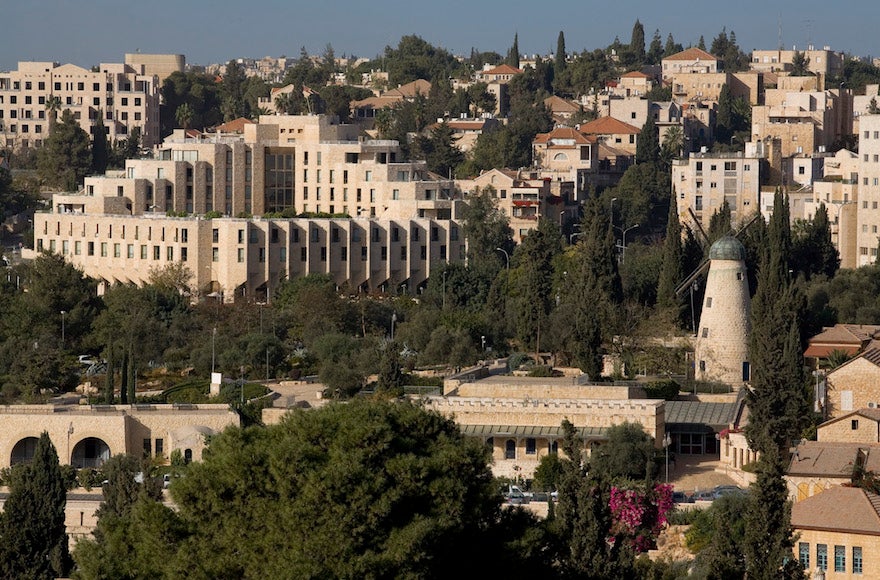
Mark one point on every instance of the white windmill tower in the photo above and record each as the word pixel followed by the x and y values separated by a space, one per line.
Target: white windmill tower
pixel 721 353
pixel 722 349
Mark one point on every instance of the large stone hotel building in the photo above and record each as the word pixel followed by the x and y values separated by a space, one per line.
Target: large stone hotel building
pixel 119 226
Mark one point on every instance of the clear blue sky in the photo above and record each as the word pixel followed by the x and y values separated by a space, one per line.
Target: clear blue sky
pixel 87 32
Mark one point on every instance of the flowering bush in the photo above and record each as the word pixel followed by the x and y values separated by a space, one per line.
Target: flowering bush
pixel 640 514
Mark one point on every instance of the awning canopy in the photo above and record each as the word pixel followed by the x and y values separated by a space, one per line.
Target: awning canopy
pixel 529 431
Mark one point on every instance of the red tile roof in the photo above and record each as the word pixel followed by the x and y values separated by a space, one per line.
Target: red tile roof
pixel 608 126
pixel 234 126
pixel 635 75
pixel 692 53
pixel 504 69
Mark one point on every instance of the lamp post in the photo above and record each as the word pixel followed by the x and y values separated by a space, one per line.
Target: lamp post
pixel 69 433
pixel 623 243
pixel 506 256
pixel 667 441
pixel 483 342
pixel 63 312
pixel 213 348
pixel 393 320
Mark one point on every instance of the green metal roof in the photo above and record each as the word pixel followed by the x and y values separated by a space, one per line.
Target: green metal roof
pixel 727 248
pixel 529 431
pixel 697 415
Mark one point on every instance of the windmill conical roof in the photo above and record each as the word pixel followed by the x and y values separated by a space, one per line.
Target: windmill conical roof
pixel 727 248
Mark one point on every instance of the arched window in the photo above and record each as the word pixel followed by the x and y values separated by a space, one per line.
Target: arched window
pixel 187 455
pixel 510 449
pixel 23 450
pixel 90 452
pixel 560 157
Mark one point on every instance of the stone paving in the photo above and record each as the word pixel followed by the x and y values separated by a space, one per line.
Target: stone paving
pixel 690 473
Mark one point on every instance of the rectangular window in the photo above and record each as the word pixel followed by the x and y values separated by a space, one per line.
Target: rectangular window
pixel 262 255
pixel 117 252
pixel 130 251
pixel 240 255
pixel 282 255
pixel 531 447
pixel 215 254
pixel 103 249
pixel 363 253
pixel 857 560
pixel 169 253
pixel 160 447
pixel 343 254
pixel 148 447
pixel 302 254
pixel 157 252
pixel 143 252
pixel 839 559
pixel 822 556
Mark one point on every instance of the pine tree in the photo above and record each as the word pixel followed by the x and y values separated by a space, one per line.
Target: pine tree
pixel 533 284
pixel 655 51
pixel 559 63
pixel 778 399
pixel 648 147
pixel 702 43
pixel 720 224
pixel 33 540
pixel 671 273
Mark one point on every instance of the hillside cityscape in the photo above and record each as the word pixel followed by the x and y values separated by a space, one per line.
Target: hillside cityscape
pixel 605 312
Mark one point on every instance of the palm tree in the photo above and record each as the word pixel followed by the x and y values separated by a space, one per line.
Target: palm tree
pixel 53 105
pixel 184 115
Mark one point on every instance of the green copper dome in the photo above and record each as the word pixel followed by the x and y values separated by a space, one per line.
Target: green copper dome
pixel 727 248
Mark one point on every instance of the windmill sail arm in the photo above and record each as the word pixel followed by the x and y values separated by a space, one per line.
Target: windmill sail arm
pixel 690 279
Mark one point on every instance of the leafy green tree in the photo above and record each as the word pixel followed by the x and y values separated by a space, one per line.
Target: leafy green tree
pixel 232 92
pixel 486 229
pixel 671 47
pixel 33 540
pixel 717 537
pixel 439 150
pixel 65 158
pixel 100 147
pixel 812 251
pixel 199 90
pixel 184 115
pixel 390 379
pixel 800 65
pixel 724 47
pixel 628 454
pixel 363 489
pixel 548 473
pixel 414 59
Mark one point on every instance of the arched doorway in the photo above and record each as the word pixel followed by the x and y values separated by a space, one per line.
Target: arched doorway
pixel 23 451
pixel 90 452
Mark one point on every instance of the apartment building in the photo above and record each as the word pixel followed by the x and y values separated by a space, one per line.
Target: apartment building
pixel 160 65
pixel 689 86
pixel 868 216
pixel 690 60
pixel 121 95
pixel 118 227
pixel 825 61
pixel 704 181
pixel 527 196
pixel 804 121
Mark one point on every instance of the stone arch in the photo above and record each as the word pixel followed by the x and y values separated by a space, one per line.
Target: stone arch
pixel 23 450
pixel 90 452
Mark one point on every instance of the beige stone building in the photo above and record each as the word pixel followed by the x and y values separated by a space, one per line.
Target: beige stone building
pixel 868 216
pixel 86 436
pixel 160 65
pixel 804 121
pixel 690 60
pixel 838 189
pixel 120 226
pixel 526 197
pixel 853 385
pixel 613 132
pixel 704 181
pixel 123 96
pixel 520 418
pixel 824 61
pixel 838 532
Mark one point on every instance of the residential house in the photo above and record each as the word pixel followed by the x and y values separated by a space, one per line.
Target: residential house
pixel 824 62
pixel 690 60
pixel 366 109
pixel 853 385
pixel 496 79
pixel 838 532
pixel 613 132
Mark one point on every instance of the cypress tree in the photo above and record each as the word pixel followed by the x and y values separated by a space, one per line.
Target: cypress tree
pixel 33 540
pixel 648 147
pixel 513 53
pixel 778 400
pixel 100 149
pixel 637 43
pixel 559 63
pixel 702 43
pixel 671 273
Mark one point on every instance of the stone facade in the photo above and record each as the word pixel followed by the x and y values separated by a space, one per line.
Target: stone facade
pixel 867 225
pixel 862 426
pixel 722 349
pixel 87 436
pixel 853 385
pixel 124 96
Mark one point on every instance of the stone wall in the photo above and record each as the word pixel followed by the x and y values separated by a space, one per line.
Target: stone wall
pixel 859 377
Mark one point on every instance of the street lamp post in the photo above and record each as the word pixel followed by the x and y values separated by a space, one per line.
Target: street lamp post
pixel 69 433
pixel 393 320
pixel 667 441
pixel 213 348
pixel 63 312
pixel 623 243
pixel 506 256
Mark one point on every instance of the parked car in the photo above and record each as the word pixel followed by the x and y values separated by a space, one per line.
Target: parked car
pixel 723 490
pixel 682 497
pixel 706 495
pixel 515 495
